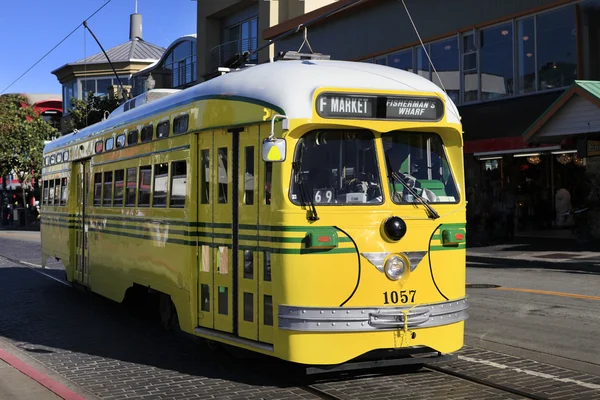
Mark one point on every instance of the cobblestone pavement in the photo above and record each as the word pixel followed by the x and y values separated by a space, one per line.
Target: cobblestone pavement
pixel 99 346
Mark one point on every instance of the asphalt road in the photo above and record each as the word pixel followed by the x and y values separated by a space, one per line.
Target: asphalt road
pixel 547 314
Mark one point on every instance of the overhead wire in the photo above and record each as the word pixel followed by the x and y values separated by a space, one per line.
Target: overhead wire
pixel 52 49
pixel 425 50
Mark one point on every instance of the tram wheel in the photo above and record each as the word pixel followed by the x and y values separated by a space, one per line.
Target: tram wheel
pixel 168 313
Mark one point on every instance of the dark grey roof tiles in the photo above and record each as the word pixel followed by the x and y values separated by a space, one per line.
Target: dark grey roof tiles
pixel 132 50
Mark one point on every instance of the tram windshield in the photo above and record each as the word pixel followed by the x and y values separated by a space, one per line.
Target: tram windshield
pixel 336 167
pixel 420 161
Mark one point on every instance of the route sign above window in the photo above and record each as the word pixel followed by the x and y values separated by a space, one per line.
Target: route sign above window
pixel 355 106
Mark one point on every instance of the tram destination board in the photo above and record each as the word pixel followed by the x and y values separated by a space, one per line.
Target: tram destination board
pixel 355 106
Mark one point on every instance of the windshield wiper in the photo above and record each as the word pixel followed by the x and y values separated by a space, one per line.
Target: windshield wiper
pixel 305 198
pixel 431 213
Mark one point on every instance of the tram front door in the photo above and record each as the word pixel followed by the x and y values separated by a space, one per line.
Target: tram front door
pixel 234 274
pixel 82 274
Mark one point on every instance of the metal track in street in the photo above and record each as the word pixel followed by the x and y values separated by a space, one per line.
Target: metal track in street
pixel 483 382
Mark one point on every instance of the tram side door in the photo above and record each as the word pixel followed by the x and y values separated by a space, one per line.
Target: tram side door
pixel 82 274
pixel 248 255
pixel 224 167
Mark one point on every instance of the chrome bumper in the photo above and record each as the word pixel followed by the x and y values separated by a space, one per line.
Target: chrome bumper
pixel 346 319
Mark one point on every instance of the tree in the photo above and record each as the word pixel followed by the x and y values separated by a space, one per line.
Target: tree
pixel 87 112
pixel 22 136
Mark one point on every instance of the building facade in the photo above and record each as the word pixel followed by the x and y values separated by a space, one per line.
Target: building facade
pixel 230 27
pixel 504 63
pixel 94 73
pixel 176 69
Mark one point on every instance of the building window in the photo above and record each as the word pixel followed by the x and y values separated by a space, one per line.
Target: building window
pixel 444 55
pixel 556 48
pixel 526 55
pixel 496 52
pixel 470 77
pixel 402 60
pixel 243 37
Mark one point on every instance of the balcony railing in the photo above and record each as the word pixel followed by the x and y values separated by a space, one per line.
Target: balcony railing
pixel 220 54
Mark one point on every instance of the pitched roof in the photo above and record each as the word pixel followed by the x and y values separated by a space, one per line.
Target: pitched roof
pixel 589 90
pixel 133 50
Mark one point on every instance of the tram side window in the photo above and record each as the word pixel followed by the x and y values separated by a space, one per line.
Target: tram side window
pixel 51 193
pixel 161 178
pixel 120 141
pixel 65 192
pixel 249 176
pixel 119 178
pixel 144 188
pixel 45 199
pixel 222 174
pixel 98 188
pixel 178 184
pixel 107 197
pixel 180 124
pixel 162 129
pixel 205 177
pixel 268 174
pixel 57 192
pixel 131 187
pixel 147 133
pixel 132 137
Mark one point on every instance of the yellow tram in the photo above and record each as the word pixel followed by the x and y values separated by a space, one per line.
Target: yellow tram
pixel 312 210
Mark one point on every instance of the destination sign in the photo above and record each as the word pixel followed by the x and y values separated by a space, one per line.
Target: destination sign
pixel 379 107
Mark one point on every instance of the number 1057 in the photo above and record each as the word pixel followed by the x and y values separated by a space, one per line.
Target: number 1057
pixel 395 297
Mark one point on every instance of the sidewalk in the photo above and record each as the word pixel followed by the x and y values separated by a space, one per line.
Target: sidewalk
pixel 21 381
pixel 539 250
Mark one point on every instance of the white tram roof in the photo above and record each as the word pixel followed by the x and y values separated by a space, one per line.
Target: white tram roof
pixel 288 85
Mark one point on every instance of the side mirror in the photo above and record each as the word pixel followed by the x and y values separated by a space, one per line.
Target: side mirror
pixel 274 150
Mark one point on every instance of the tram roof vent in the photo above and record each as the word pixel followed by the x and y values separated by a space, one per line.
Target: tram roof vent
pixel 294 55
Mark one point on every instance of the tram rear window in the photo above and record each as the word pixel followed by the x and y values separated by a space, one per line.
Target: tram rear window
pixel 336 167
pixel 420 158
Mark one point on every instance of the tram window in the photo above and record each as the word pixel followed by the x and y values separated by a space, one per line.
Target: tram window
pixel 59 158
pixel 248 307
pixel 268 174
pixel 249 176
pixel 119 177
pixel 120 141
pixel 57 192
pixel 51 193
pixel 45 161
pixel 248 264
pixel 336 167
pixel 161 179
pixel 98 188
pixel 45 200
pixel 131 187
pixel 110 144
pixel 107 197
pixel 66 156
pixel 180 124
pixel 178 184
pixel 267 266
pixel 147 133
pixel 205 296
pixel 52 159
pixel 132 137
pixel 162 129
pixel 223 300
pixel 99 146
pixel 268 311
pixel 144 188
pixel 204 177
pixel 222 174
pixel 65 192
pixel 420 158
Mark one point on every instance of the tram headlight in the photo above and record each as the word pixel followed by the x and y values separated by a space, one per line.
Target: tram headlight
pixel 394 267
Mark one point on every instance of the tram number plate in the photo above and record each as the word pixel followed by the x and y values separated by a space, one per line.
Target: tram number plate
pixel 402 296
pixel 323 195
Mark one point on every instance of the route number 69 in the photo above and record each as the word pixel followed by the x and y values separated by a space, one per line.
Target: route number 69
pixel 323 195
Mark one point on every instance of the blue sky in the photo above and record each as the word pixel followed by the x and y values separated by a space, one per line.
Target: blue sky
pixel 30 28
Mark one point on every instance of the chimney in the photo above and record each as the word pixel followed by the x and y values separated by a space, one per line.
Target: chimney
pixel 135 26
